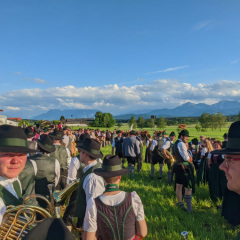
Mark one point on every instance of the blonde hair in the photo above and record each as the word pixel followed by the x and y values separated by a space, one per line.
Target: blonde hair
pixel 209 145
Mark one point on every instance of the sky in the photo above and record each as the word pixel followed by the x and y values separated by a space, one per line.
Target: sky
pixel 117 56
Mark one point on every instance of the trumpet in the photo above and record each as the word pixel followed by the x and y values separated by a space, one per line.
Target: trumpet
pixel 19 220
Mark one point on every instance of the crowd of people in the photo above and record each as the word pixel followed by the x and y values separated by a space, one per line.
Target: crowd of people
pixel 33 159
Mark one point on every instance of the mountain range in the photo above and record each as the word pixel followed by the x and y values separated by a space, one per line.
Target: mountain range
pixel 186 110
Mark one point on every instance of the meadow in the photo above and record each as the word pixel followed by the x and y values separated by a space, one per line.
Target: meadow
pixel 165 220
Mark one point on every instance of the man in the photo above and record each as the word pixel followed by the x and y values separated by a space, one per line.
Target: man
pixel 224 143
pixel 183 170
pixel 231 167
pixel 13 157
pixel 167 146
pixel 131 150
pixel 90 184
pixel 48 168
pixel 127 219
pixel 118 145
pixel 30 135
pixel 63 155
pixel 65 138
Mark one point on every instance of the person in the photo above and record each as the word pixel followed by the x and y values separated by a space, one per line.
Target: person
pixel 231 168
pixel 167 146
pixel 117 144
pixel 183 170
pixel 114 212
pixel 131 151
pixel 90 184
pixel 63 155
pixel 48 168
pixel 224 143
pixel 30 134
pixel 140 157
pixel 66 138
pixel 13 156
pixel 202 172
pixel 216 178
pixel 148 154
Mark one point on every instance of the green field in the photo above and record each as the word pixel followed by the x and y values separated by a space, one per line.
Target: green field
pixel 164 219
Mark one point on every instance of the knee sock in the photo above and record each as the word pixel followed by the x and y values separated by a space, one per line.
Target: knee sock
pixel 160 171
pixel 132 171
pixel 188 200
pixel 169 178
pixel 152 170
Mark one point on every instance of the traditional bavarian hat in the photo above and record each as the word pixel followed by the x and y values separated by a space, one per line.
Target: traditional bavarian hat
pixel 82 137
pixel 233 143
pixel 56 135
pixel 111 167
pixel 172 134
pixel 91 147
pixel 46 144
pixel 184 133
pixel 13 139
pixel 29 132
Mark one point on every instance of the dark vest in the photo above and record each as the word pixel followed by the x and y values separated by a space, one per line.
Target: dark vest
pixel 27 179
pixel 32 145
pixel 45 173
pixel 116 222
pixel 61 155
pixel 80 170
pixel 81 195
pixel 176 154
pixel 10 199
pixel 216 158
pixel 118 145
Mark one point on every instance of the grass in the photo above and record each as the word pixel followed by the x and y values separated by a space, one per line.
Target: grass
pixel 165 220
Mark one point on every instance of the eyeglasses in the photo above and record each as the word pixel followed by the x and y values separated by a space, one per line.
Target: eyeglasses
pixel 230 160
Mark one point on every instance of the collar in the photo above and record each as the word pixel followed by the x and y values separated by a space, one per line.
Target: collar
pixel 89 166
pixel 5 181
pixel 57 144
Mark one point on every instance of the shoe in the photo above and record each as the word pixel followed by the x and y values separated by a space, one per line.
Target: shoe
pixel 181 205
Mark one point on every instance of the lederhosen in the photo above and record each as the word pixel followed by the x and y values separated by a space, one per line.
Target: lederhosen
pixel 115 222
pixel 118 146
pixel 216 179
pixel 8 198
pixel 183 170
pixel 156 158
pixel 81 196
pixel 167 161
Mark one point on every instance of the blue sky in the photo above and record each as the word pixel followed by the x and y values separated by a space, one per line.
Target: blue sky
pixel 117 55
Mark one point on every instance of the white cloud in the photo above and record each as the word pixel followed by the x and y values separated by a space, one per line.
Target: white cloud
pixel 161 93
pixel 13 108
pixel 169 69
pixel 18 73
pixel 39 80
pixel 203 25
pixel 234 61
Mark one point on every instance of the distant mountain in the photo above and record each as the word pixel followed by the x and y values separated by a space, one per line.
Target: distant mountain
pixel 55 114
pixel 189 110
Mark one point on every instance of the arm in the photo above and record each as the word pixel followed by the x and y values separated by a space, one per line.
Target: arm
pixel 141 228
pixel 69 157
pixel 89 236
pixel 165 146
pixel 183 152
pixel 57 172
pixel 113 146
pixel 73 168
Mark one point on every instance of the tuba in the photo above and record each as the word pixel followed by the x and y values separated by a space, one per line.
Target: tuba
pixel 168 154
pixel 19 220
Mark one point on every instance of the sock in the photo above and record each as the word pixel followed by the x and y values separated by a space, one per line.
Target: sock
pixel 132 171
pixel 152 170
pixel 169 178
pixel 160 171
pixel 188 200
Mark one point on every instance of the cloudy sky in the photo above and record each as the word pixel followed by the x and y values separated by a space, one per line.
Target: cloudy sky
pixel 117 56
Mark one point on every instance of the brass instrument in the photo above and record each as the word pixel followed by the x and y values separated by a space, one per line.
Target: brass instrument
pixel 19 220
pixel 63 196
pixel 160 152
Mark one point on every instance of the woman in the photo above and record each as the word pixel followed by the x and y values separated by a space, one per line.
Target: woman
pixel 202 173
pixel 216 178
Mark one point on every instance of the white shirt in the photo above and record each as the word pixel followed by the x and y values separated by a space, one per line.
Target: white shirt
pixel 7 184
pixel 93 184
pixel 65 140
pixel 90 220
pixel 204 151
pixel 167 144
pixel 73 169
pixel 153 145
pixel 182 148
